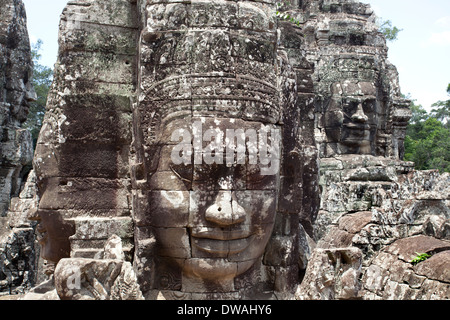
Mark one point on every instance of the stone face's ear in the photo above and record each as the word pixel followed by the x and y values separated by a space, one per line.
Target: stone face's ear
pixel 291 183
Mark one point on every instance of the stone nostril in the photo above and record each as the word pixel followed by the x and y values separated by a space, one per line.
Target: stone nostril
pixel 219 215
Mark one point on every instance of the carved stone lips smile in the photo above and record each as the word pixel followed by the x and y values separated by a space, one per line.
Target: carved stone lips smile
pixel 222 242
pixel 356 126
pixel 220 234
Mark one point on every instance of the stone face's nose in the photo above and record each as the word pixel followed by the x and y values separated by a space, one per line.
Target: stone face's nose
pixel 359 115
pixel 225 211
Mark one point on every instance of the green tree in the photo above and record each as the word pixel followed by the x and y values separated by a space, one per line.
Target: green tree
pixel 419 114
pixel 441 110
pixel 427 141
pixel 413 131
pixel 280 14
pixel 42 80
pixel 389 31
pixel 410 148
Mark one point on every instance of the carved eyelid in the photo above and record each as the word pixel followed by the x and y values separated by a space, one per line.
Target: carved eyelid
pixel 253 175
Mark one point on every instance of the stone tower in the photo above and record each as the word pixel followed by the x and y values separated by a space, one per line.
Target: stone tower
pixel 17 256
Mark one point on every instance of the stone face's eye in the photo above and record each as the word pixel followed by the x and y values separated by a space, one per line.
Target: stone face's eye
pixel 350 108
pixel 369 107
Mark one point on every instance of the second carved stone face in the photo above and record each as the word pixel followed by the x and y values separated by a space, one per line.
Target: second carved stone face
pixel 359 127
pixel 351 118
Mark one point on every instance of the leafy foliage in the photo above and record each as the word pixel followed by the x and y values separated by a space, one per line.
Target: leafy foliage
pixel 389 31
pixel 420 258
pixel 427 141
pixel 42 80
pixel 441 109
pixel 285 15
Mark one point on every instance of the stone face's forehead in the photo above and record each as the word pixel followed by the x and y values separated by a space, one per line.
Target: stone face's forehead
pixel 199 125
pixel 354 88
pixel 210 57
pixel 231 95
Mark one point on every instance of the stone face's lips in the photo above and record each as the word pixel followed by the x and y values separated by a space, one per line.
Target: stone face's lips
pixel 219 234
pixel 355 126
pixel 222 242
pixel 222 247
pixel 356 133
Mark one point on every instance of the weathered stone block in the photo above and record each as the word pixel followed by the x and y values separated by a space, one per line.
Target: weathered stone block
pixel 98 66
pixel 116 13
pixel 93 195
pixel 112 39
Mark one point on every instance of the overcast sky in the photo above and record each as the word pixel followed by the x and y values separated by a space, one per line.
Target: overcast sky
pixel 421 54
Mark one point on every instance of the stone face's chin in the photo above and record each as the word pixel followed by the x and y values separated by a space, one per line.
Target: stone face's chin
pixel 219 270
pixel 356 135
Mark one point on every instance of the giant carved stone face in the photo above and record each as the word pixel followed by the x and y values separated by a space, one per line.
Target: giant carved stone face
pixel 203 219
pixel 216 220
pixel 351 118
